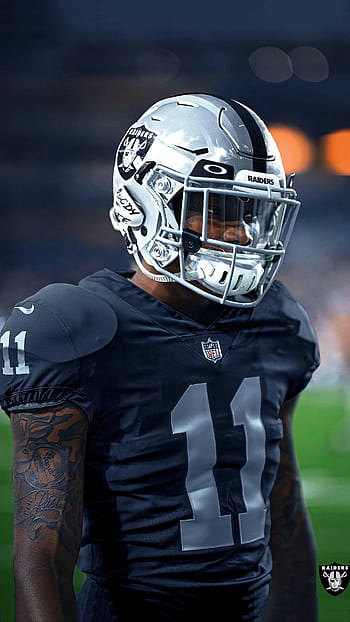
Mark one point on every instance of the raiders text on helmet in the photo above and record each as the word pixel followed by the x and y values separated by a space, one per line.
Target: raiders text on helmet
pixel 200 196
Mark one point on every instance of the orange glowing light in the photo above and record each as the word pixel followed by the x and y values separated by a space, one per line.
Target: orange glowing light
pixel 297 150
pixel 336 151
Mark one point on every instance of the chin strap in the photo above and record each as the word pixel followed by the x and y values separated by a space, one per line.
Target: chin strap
pixel 163 278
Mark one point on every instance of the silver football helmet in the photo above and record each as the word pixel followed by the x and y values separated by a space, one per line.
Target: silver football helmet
pixel 200 195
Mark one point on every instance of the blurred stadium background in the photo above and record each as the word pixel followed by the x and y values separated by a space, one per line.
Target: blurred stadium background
pixel 74 75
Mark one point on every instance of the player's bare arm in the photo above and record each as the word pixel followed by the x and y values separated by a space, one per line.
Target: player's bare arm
pixel 48 494
pixel 293 592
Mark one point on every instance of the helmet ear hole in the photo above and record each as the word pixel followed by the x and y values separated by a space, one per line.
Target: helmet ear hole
pixel 143 170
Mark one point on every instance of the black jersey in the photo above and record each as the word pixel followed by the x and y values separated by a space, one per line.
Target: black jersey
pixel 184 427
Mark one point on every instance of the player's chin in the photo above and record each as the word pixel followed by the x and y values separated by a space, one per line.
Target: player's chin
pixel 206 289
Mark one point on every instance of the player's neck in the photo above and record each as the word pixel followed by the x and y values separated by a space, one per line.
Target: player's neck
pixel 178 297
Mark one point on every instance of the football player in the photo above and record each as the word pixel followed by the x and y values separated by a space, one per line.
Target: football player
pixel 152 411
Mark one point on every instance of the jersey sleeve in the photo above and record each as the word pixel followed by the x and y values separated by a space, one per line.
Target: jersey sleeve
pixel 43 343
pixel 303 347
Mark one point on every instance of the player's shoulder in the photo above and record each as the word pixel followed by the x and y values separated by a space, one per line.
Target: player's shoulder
pixel 279 303
pixel 64 320
pixel 279 294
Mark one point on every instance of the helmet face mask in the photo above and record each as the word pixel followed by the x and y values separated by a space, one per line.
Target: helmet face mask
pixel 194 208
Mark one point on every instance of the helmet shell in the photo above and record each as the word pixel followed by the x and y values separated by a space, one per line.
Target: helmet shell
pixel 174 139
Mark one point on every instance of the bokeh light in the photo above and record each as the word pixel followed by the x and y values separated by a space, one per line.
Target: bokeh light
pixel 271 64
pixel 335 149
pixel 309 63
pixel 297 150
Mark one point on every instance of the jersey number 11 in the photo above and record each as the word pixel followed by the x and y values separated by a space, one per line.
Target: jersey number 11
pixel 192 415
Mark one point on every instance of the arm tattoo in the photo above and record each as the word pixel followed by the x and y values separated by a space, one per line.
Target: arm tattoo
pixel 48 473
pixel 293 592
pixel 287 503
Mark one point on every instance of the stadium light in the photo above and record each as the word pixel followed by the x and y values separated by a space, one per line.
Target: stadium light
pixel 335 149
pixel 297 150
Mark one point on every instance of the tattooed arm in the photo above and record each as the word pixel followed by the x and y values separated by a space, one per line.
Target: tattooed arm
pixel 293 591
pixel 48 472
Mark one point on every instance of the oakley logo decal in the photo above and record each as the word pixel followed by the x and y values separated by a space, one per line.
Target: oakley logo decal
pixel 208 168
pixel 215 169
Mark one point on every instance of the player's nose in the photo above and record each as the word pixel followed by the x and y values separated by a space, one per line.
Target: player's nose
pixel 238 233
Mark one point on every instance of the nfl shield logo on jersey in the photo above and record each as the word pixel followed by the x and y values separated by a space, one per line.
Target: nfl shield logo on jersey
pixel 334 577
pixel 212 350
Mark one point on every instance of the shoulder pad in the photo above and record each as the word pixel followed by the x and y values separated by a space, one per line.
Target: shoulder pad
pixel 286 305
pixel 63 322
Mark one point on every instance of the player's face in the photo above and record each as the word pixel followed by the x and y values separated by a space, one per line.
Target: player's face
pixel 230 219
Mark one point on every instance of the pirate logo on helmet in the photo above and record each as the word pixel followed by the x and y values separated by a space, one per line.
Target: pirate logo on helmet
pixel 132 150
pixel 334 577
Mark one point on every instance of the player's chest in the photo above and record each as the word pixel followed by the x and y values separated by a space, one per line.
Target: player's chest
pixel 156 379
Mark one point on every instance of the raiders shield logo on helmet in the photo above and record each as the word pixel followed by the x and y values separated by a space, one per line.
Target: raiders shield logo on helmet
pixel 133 149
pixel 212 350
pixel 334 577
